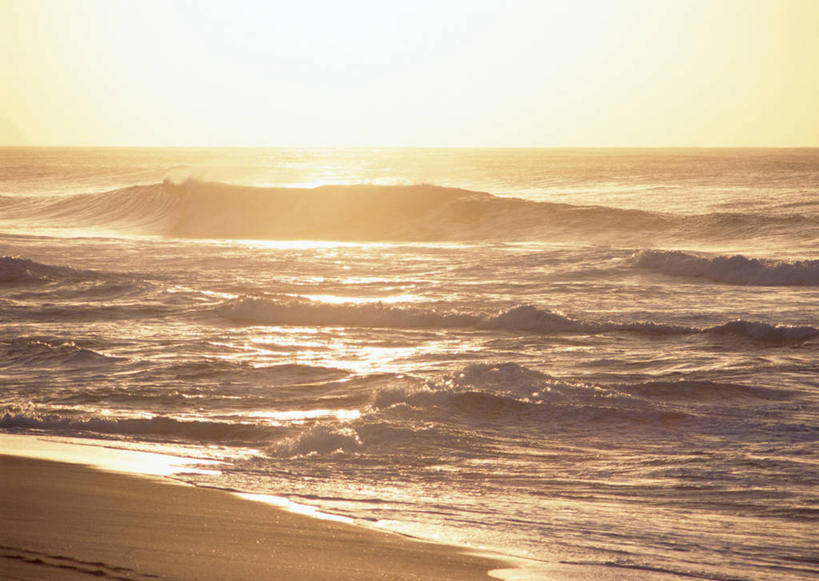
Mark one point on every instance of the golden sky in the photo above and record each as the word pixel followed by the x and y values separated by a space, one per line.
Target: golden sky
pixel 627 73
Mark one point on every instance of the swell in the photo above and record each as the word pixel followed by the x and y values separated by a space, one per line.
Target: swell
pixel 524 318
pixel 196 209
pixel 148 209
pixel 736 269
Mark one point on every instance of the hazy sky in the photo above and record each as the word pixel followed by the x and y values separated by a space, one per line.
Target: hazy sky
pixel 443 73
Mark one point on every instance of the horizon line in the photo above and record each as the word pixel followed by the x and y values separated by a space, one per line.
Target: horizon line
pixel 510 147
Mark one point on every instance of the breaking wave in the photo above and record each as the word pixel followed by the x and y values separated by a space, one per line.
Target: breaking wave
pixel 320 439
pixel 403 419
pixel 525 318
pixel 731 269
pixel 197 209
pixel 138 209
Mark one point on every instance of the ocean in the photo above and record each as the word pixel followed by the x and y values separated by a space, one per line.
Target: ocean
pixel 588 357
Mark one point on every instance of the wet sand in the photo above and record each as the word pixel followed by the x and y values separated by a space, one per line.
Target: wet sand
pixel 69 521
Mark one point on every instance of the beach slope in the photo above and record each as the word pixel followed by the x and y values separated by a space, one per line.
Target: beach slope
pixel 69 521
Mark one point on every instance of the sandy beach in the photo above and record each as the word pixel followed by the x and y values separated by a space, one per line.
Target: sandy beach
pixel 70 521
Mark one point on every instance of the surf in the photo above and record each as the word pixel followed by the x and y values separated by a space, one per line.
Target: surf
pixel 736 269
pixel 365 212
pixel 520 319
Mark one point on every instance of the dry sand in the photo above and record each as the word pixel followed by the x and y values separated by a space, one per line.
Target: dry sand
pixel 68 521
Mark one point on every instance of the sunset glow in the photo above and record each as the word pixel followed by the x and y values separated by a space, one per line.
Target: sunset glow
pixel 485 73
pixel 538 279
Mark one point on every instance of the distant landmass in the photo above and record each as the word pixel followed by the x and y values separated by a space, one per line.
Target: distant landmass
pixel 10 135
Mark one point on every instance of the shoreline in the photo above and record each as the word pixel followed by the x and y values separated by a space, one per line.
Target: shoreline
pixel 66 520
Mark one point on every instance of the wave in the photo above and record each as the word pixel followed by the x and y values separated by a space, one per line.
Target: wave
pixel 154 427
pixel 198 209
pixel 321 439
pixel 532 319
pixel 765 332
pixel 303 312
pixel 401 418
pixel 701 391
pixel 148 209
pixel 34 352
pixel 22 271
pixel 731 269
pixel 498 390
pixel 24 279
pixel 282 374
pixel 88 311
pixel 525 318
pixel 456 413
pixel 449 413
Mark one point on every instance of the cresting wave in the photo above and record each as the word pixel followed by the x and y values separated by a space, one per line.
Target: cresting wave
pixel 397 414
pixel 146 209
pixel 17 272
pixel 196 209
pixel 481 397
pixel 526 318
pixel 730 269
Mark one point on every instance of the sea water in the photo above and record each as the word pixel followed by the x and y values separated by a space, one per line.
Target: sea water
pixel 597 358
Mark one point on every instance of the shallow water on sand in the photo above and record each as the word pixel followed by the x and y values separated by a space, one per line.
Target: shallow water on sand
pixel 630 384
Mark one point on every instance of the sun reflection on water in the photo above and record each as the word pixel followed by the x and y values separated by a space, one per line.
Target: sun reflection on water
pixel 341 300
pixel 300 416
